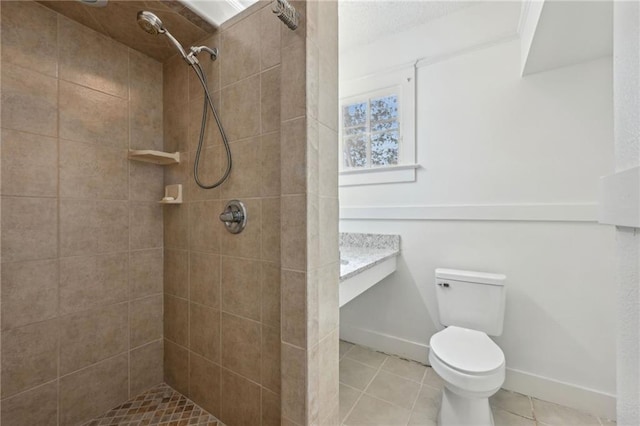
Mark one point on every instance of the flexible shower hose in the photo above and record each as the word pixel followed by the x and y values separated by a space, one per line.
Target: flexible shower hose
pixel 208 103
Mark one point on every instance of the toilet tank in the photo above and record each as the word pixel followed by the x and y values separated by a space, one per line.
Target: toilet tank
pixel 472 300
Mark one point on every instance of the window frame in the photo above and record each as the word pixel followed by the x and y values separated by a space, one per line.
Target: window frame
pixel 366 98
pixel 400 81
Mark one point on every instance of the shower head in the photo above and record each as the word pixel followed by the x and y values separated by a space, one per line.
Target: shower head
pixel 153 25
pixel 150 23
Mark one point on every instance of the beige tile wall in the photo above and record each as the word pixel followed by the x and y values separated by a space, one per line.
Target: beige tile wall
pixel 81 235
pixel 310 255
pixel 222 291
pixel 322 187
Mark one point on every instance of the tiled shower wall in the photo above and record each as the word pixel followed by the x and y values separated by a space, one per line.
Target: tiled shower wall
pixel 222 291
pixel 310 257
pixel 81 230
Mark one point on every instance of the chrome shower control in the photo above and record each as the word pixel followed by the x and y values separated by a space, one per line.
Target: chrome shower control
pixel 234 216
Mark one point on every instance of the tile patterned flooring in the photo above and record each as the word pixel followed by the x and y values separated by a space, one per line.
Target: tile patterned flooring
pixel 377 389
pixel 158 406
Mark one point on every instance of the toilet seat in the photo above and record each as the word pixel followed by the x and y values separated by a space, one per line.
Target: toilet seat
pixel 468 361
pixel 467 351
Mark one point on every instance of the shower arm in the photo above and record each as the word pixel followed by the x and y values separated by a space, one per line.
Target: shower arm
pixel 195 51
pixel 191 57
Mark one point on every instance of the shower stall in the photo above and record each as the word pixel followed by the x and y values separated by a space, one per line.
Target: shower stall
pixel 111 284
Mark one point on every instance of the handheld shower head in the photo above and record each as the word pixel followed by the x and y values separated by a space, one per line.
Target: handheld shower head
pixel 150 23
pixel 153 25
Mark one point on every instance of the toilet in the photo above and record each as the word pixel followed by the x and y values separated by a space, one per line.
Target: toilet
pixel 472 366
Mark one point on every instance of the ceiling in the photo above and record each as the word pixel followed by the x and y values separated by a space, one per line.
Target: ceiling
pixel 118 21
pixel 363 22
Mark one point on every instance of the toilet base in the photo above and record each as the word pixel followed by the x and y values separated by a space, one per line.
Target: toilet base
pixel 457 410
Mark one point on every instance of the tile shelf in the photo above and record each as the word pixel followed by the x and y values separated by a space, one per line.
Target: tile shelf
pixel 172 194
pixel 155 157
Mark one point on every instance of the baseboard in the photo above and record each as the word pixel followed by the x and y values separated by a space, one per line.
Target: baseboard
pixel 588 400
pixel 385 343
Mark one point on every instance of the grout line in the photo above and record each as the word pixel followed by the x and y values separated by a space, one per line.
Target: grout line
pixel 39 385
pixel 533 410
pixel 220 387
pixel 415 401
pixel 368 384
pixel 96 254
pixel 345 354
pixel 422 386
pixel 109 358
pixel 28 132
pixel 398 375
pixel 9 195
pixel 381 368
pixel 396 405
pixel 154 390
pixel 129 224
pixel 430 385
pixel 159 339
pixel 58 221
pixel 362 363
pixel 102 92
pixel 424 375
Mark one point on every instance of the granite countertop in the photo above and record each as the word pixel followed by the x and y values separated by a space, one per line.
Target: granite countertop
pixel 359 252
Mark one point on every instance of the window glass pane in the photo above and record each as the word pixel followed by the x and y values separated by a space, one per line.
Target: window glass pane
pixel 355 151
pixel 354 115
pixel 385 108
pixel 355 130
pixel 384 148
pixel 385 125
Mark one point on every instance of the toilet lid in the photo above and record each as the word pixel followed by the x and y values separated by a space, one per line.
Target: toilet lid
pixel 469 351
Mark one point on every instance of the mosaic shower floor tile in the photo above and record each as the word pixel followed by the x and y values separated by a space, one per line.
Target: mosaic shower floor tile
pixel 158 406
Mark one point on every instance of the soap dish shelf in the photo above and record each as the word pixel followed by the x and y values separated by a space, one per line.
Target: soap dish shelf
pixel 172 194
pixel 155 157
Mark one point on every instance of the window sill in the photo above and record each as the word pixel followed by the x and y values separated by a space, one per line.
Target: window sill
pixel 378 175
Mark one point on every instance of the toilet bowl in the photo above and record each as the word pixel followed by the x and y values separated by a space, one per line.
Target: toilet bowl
pixel 472 368
pixel 471 307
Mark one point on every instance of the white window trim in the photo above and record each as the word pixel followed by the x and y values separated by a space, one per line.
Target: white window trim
pixel 401 80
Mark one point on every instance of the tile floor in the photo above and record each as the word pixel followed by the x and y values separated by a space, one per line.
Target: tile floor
pixel 377 389
pixel 158 406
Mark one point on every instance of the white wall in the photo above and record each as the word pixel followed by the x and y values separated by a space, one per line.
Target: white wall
pixel 486 136
pixel 627 154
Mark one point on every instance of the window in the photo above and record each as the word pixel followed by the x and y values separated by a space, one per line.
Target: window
pixel 371 132
pixel 377 119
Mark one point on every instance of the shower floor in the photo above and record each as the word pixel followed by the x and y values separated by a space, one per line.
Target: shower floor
pixel 158 406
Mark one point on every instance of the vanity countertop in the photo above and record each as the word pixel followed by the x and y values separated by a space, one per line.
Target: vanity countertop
pixel 360 259
pixel 359 252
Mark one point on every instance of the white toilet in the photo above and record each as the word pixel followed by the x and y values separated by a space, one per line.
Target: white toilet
pixel 472 366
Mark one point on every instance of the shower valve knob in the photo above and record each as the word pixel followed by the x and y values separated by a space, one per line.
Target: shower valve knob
pixel 230 217
pixel 234 216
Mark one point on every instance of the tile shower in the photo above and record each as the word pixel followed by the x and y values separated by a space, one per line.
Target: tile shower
pixel 105 293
